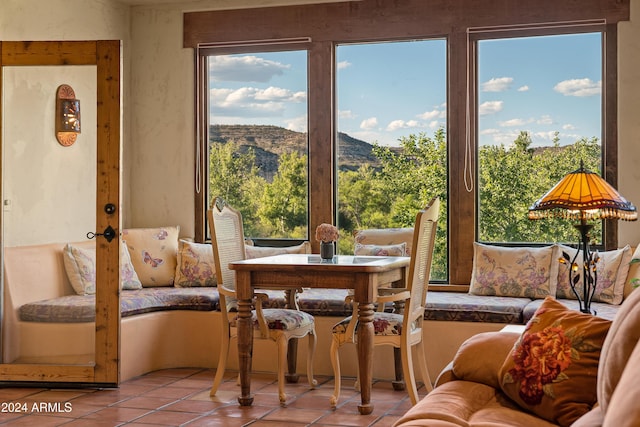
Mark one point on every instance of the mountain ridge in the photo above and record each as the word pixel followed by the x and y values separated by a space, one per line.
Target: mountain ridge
pixel 270 142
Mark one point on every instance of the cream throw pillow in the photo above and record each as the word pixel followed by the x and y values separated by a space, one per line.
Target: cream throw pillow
pixel 612 269
pixel 381 250
pixel 196 265
pixel 80 265
pixel 153 254
pixel 264 251
pixel 513 272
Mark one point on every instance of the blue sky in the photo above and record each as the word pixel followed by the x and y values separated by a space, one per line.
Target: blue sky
pixel 388 90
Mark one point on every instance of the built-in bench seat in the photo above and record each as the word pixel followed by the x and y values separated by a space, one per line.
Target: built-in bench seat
pixel 44 321
pixel 81 308
pixel 441 306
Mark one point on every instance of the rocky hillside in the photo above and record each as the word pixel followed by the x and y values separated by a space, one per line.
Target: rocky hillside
pixel 269 142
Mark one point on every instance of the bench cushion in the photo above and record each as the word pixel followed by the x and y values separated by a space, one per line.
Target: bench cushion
pixel 456 306
pixel 81 308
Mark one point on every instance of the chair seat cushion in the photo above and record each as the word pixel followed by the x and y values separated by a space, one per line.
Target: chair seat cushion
pixel 383 324
pixel 280 319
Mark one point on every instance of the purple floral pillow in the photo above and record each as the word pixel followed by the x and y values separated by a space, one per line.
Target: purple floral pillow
pixel 196 265
pixel 513 272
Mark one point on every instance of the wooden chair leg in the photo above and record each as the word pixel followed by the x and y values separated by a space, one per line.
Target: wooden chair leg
pixel 282 344
pixel 424 370
pixel 313 340
pixel 222 365
pixel 335 363
pixel 407 367
pixel 398 384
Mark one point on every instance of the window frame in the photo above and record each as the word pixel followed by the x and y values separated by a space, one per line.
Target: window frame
pixel 609 143
pixel 328 24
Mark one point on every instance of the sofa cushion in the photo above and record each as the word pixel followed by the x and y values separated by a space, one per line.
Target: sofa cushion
pixel 469 363
pixel 552 368
pixel 623 409
pixel 612 269
pixel 621 340
pixel 399 249
pixel 153 254
pixel 513 272
pixel 457 306
pixel 80 265
pixel 195 265
pixel 467 403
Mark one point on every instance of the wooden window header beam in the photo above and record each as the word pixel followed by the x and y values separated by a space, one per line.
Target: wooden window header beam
pixel 384 20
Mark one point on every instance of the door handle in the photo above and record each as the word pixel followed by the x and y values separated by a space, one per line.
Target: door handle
pixel 109 233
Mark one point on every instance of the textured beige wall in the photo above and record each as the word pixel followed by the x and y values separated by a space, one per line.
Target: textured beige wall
pixel 51 188
pixel 629 119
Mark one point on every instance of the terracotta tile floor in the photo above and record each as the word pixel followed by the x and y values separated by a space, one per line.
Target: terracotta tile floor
pixel 180 397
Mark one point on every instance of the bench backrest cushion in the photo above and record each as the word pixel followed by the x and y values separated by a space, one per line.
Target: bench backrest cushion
pixel 385 237
pixel 612 269
pixel 513 272
pixel 154 253
pixel 196 266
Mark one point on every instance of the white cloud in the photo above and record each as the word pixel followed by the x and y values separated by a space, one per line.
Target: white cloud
pixel 370 123
pixel 401 124
pixel 568 126
pixel 490 107
pixel 435 124
pixel 524 88
pixel 297 124
pixel 499 84
pixel 545 120
pixel 433 114
pixel 579 87
pixel 346 114
pixel 250 101
pixel 547 136
pixel 244 68
pixel 513 122
pixel 343 64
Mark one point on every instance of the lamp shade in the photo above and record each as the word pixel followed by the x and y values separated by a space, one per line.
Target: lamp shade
pixel 583 195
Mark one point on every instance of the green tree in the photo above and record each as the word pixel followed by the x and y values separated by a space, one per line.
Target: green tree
pixel 283 205
pixel 234 177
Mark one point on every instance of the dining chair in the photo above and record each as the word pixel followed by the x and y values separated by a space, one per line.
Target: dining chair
pixel 404 330
pixel 275 324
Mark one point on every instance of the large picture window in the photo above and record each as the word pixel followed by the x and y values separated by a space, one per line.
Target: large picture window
pixel 484 120
pixel 391 142
pixel 257 144
pixel 539 116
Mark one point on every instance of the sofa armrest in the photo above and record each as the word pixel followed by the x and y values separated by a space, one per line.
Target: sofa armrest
pixel 480 358
pixel 446 375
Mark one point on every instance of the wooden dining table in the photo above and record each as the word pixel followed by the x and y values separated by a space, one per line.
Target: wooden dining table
pixel 363 274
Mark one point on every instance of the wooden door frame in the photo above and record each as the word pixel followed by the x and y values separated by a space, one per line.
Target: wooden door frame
pixel 106 56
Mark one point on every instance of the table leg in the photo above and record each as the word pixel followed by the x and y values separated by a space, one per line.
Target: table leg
pixel 365 350
pixel 245 351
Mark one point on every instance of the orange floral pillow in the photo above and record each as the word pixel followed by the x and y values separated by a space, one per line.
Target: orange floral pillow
pixel 552 368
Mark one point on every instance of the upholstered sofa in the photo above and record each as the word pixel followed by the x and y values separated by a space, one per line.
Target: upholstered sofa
pixel 566 368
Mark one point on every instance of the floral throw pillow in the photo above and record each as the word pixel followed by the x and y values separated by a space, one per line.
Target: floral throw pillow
pixel 513 272
pixel 552 368
pixel 633 275
pixel 381 250
pixel 154 254
pixel 612 269
pixel 196 266
pixel 252 252
pixel 80 265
